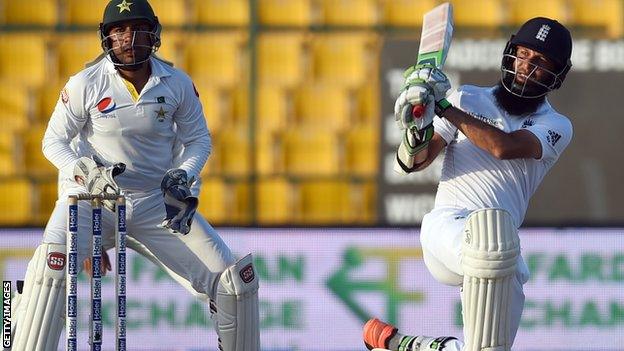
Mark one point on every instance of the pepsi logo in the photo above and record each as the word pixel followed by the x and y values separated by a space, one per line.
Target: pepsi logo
pixel 106 105
pixel 56 261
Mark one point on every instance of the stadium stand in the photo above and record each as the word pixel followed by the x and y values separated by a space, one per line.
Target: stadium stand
pixel 287 12
pixel 521 11
pixel 220 12
pixel 327 106
pixel 351 12
pixel 282 58
pixel 17 209
pixel 491 13
pixel 310 152
pixel 81 13
pixel 277 201
pixel 215 57
pixel 40 12
pixel 406 12
pixel 344 58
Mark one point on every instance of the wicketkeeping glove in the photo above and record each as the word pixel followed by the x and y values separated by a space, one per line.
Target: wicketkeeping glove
pixel 180 204
pixel 98 179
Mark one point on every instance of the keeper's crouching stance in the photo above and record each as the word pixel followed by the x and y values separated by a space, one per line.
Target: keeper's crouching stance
pixel 500 142
pixel 131 123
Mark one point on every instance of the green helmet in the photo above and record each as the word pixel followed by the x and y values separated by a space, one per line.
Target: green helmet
pixel 126 10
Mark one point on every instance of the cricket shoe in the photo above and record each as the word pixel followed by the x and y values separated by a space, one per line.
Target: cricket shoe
pixel 377 334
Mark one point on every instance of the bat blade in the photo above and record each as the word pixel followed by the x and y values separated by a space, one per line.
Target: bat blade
pixel 436 35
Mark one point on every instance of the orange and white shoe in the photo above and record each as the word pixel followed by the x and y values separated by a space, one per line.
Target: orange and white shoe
pixel 377 334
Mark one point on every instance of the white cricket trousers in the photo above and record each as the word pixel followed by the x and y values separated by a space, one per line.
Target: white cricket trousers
pixel 194 260
pixel 441 241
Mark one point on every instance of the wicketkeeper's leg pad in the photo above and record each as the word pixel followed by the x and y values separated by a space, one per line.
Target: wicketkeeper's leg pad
pixel 40 309
pixel 237 307
pixel 491 248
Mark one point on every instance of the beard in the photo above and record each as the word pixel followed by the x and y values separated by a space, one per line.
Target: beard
pixel 516 105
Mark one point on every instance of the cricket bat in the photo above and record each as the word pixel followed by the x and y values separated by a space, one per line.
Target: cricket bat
pixel 435 41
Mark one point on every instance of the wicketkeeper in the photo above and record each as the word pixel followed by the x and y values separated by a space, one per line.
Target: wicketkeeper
pixel 132 123
pixel 500 142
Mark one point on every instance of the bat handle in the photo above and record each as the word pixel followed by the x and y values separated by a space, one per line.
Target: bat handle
pixel 418 111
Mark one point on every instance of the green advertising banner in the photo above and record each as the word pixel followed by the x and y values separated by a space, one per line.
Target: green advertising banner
pixel 319 286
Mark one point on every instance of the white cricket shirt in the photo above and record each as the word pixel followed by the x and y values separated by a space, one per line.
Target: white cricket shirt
pixel 98 114
pixel 472 178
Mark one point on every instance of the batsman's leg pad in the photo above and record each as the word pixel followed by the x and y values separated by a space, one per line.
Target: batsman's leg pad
pixel 237 307
pixel 40 309
pixel 491 248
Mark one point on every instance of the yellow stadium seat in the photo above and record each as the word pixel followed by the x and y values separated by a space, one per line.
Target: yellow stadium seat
pixel 74 51
pixel 362 150
pixel 24 12
pixel 522 10
pixel 47 192
pixel 16 202
pixel 269 154
pixel 608 14
pixel 36 164
pixel 345 58
pixel 406 12
pixel 85 13
pixel 240 214
pixel 287 12
pixel 367 109
pixel 481 13
pixel 48 97
pixel 215 102
pixel 273 108
pixel 364 201
pixel 214 200
pixel 9 162
pixel 311 152
pixel 282 58
pixel 216 57
pixel 17 106
pixel 351 12
pixel 24 58
pixel 276 201
pixel 325 201
pixel 171 47
pixel 326 106
pixel 221 12
pixel 233 149
pixel 170 12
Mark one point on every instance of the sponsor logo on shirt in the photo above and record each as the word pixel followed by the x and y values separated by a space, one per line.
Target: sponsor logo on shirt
pixel 527 123
pixel 487 120
pixel 160 99
pixel 106 105
pixel 553 137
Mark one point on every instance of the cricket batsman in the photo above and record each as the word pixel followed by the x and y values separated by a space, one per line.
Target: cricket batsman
pixel 130 123
pixel 500 143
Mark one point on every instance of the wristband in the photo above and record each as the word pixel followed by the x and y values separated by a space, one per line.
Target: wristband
pixel 441 107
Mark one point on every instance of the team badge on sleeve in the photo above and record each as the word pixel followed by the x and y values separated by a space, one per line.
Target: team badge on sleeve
pixel 64 96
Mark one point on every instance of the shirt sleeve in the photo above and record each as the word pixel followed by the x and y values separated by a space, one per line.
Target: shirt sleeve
pixel 554 134
pixel 192 131
pixel 443 127
pixel 67 120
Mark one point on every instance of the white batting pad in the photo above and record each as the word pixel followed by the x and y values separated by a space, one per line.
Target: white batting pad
pixel 40 309
pixel 237 307
pixel 491 248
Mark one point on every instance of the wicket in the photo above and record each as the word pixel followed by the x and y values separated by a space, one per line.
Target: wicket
pixel 95 320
